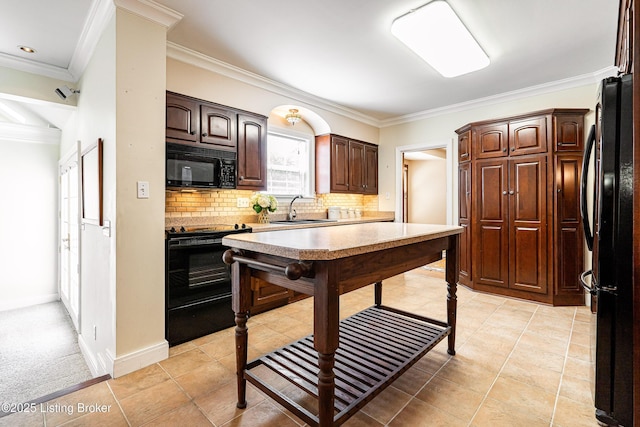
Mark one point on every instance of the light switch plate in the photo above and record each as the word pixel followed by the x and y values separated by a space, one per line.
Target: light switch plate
pixel 143 189
pixel 242 202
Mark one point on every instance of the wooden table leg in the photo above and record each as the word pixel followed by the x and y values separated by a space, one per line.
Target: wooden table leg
pixel 241 358
pixel 452 285
pixel 326 317
pixel 241 286
pixel 378 293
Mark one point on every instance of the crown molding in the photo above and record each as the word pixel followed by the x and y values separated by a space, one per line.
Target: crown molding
pixel 555 86
pixel 29 134
pixel 99 16
pixel 152 11
pixel 197 59
pixel 34 67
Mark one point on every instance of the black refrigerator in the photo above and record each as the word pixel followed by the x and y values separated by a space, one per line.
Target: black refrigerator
pixel 610 239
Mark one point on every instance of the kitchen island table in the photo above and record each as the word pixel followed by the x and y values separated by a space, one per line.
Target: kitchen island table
pixel 344 364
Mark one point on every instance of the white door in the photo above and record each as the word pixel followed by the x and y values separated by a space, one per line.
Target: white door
pixel 69 238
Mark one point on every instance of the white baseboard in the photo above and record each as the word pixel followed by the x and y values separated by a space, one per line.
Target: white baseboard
pixel 97 369
pixel 28 302
pixel 139 359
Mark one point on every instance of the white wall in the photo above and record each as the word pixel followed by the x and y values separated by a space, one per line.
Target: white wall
pixel 427 191
pixel 28 239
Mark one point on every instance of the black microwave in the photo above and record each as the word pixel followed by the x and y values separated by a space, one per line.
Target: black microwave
pixel 197 167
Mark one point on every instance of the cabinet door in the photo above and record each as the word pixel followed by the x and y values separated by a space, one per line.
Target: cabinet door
pixel 490 140
pixel 218 127
pixel 528 136
pixel 181 119
pixel 339 164
pixel 356 167
pixel 464 146
pixel 252 152
pixel 528 249
pixel 568 132
pixel 265 296
pixel 568 245
pixel 371 169
pixel 490 226
pixel 464 210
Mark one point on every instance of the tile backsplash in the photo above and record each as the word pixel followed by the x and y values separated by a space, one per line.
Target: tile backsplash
pixel 212 203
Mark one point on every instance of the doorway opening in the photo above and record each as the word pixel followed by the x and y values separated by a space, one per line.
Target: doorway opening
pixel 425 183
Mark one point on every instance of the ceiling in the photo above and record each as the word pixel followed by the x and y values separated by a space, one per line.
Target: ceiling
pixel 342 52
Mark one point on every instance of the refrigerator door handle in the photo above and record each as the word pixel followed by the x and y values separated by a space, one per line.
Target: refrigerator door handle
pixel 589 288
pixel 583 187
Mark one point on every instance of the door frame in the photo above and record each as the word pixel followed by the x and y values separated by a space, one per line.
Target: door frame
pixel 451 178
pixel 72 155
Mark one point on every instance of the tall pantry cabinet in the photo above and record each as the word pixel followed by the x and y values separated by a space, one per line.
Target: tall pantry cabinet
pixel 519 205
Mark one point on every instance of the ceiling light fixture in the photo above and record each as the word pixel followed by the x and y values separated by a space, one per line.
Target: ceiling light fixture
pixel 437 35
pixel 293 117
pixel 27 49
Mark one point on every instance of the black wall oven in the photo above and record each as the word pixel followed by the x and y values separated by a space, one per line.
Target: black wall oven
pixel 198 282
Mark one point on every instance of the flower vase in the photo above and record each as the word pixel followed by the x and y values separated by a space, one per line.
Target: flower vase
pixel 263 216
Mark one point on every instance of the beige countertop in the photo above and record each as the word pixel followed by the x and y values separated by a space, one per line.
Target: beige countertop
pixel 326 243
pixel 258 228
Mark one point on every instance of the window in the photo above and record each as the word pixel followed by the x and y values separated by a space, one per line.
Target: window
pixel 289 165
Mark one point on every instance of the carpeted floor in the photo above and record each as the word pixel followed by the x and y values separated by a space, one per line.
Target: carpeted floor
pixel 39 353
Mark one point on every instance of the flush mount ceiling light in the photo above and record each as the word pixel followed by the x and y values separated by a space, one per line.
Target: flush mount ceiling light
pixel 293 117
pixel 437 35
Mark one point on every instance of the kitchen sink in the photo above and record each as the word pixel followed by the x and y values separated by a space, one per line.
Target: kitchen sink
pixel 302 221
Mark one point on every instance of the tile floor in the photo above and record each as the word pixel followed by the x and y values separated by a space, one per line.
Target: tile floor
pixel 517 364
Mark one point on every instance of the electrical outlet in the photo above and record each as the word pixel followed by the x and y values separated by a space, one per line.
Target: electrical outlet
pixel 319 201
pixel 242 202
pixel 143 189
pixel 95 332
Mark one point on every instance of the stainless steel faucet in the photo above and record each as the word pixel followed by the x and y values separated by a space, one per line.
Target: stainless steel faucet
pixel 292 212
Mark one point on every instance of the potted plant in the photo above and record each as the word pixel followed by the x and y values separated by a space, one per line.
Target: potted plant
pixel 263 204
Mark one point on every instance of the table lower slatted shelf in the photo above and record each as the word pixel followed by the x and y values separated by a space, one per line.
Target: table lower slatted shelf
pixel 376 346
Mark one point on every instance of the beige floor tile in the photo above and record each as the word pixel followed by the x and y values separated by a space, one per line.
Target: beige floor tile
pixel 412 380
pixel 544 342
pixel 578 389
pixel 493 413
pixel 185 362
pixel 220 346
pixel 205 379
pixel 570 413
pixel 152 402
pixel 387 404
pixel 577 368
pixel 510 365
pixel 521 370
pixel 523 397
pixel 361 419
pixel 440 393
pixel 137 381
pixel 187 415
pixel 264 414
pixel 420 414
pixel 98 394
pixel 220 406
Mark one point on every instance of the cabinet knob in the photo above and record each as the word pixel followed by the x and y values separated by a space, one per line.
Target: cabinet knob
pixel 513 148
pixel 504 192
pixel 504 150
pixel 511 192
pixel 241 177
pixel 204 134
pixel 193 132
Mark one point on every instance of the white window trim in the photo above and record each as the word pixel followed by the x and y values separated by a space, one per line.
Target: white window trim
pixel 286 198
